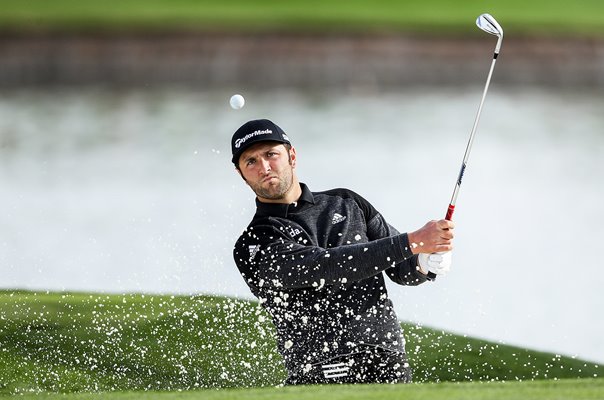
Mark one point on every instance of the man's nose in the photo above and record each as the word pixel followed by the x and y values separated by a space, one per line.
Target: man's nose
pixel 266 166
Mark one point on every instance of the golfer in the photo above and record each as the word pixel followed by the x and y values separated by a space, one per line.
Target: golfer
pixel 316 262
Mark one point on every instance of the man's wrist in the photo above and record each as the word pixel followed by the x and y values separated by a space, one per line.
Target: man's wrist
pixel 413 243
pixel 405 246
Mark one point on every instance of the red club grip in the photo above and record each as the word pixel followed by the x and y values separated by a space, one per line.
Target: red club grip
pixel 450 212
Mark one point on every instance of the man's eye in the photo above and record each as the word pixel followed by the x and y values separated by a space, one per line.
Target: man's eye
pixel 272 153
pixel 250 162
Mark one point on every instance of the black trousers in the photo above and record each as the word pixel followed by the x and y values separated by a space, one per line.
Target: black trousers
pixel 374 365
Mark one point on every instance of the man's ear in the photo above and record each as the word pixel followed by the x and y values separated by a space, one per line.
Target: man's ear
pixel 292 157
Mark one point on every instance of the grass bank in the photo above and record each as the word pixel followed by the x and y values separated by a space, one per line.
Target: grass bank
pixel 79 342
pixel 576 389
pixel 439 17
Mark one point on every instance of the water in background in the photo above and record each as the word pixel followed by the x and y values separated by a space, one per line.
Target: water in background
pixel 134 191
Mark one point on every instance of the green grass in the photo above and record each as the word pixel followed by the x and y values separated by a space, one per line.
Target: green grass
pixel 76 342
pixel 577 389
pixel 542 17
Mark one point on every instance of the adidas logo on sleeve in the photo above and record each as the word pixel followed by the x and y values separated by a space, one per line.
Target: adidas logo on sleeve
pixel 253 251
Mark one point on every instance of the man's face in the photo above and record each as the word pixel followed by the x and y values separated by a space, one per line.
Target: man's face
pixel 268 168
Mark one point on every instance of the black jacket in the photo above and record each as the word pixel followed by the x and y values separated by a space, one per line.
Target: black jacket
pixel 316 266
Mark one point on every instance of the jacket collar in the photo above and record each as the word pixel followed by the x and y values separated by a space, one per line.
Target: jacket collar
pixel 283 210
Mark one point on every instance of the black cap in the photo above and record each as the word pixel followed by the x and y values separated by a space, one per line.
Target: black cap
pixel 258 130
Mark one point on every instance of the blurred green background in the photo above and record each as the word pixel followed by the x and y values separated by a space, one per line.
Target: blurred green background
pixel 537 17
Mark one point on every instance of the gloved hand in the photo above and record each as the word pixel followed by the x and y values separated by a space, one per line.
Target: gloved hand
pixel 438 263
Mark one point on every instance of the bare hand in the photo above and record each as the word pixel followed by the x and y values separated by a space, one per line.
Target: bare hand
pixel 434 237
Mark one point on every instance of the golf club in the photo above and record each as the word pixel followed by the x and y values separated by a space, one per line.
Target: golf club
pixel 488 24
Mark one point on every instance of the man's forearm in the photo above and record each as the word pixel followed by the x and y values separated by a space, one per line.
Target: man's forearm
pixel 290 265
pixel 407 273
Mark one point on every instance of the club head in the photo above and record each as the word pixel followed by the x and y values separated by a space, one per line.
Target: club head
pixel 487 23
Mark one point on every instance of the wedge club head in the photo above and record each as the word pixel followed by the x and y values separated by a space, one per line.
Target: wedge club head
pixel 487 23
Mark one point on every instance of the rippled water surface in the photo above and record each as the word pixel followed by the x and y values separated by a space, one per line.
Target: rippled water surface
pixel 134 191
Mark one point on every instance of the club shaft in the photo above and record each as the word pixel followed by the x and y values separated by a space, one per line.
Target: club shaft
pixel 466 156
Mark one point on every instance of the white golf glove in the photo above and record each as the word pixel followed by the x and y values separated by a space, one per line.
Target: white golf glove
pixel 437 263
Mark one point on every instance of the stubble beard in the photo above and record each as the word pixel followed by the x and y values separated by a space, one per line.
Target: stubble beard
pixel 275 191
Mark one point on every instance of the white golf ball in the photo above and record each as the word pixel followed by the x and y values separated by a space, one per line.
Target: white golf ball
pixel 237 101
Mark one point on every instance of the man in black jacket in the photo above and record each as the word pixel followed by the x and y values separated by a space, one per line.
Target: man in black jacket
pixel 316 262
